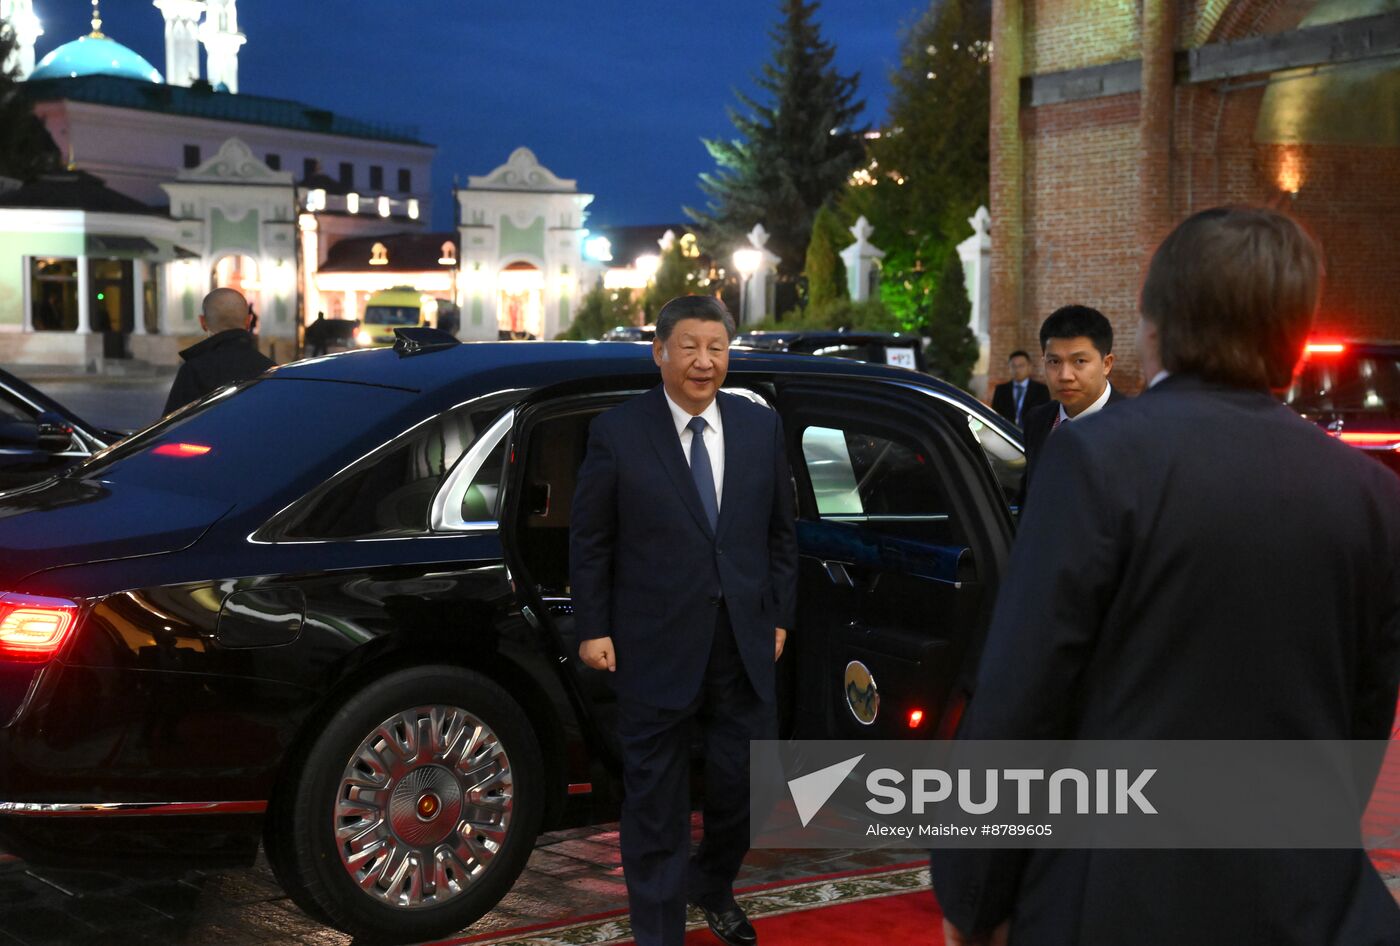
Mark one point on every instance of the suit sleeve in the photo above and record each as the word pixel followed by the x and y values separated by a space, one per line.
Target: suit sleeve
pixel 782 535
pixel 1043 630
pixel 592 534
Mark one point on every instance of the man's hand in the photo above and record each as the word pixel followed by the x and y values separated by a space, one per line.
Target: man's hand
pixel 598 653
pixel 780 638
pixel 997 937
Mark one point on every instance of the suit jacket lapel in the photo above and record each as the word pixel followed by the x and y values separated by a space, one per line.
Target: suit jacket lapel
pixel 662 432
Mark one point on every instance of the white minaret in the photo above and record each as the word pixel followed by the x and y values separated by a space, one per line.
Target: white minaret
pixel 19 15
pixel 181 39
pixel 221 39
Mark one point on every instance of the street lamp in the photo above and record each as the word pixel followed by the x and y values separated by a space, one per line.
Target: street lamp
pixel 647 265
pixel 747 262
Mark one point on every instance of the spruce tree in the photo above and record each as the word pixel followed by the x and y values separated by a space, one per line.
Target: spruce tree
pixel 825 271
pixel 26 150
pixel 952 350
pixel 795 149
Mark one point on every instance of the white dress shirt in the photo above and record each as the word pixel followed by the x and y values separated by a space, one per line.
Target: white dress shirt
pixel 1093 408
pixel 714 439
pixel 1159 377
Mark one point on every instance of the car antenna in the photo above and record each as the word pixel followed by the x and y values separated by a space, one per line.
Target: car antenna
pixel 420 341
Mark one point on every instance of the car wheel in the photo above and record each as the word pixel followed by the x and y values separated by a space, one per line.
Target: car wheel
pixel 415 808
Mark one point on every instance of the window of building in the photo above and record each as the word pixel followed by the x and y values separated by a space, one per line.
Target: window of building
pixel 112 306
pixel 376 177
pixel 191 156
pixel 54 294
pixel 347 174
pixel 405 180
pixel 274 161
pixel 310 167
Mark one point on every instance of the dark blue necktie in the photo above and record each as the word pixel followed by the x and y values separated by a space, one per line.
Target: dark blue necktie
pixel 1020 390
pixel 701 470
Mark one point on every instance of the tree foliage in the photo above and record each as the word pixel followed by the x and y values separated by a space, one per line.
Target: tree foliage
pixel 601 309
pixel 26 150
pixel 795 149
pixel 825 270
pixel 952 347
pixel 677 275
pixel 929 171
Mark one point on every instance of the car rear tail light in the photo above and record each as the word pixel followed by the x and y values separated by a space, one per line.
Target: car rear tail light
pixel 34 628
pixel 1324 348
pixel 1371 440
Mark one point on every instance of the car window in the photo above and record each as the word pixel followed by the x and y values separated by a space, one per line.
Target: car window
pixel 1360 382
pixel 11 409
pixel 1007 460
pixel 481 501
pixel 390 493
pixel 858 476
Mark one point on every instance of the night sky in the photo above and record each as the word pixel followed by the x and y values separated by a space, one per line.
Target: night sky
pixel 616 95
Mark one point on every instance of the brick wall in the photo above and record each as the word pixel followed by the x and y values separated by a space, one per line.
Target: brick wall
pixel 1069 34
pixel 1080 197
pixel 1081 215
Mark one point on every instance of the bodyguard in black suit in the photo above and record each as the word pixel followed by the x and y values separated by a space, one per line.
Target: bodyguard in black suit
pixel 1198 563
pixel 1014 399
pixel 1077 343
pixel 683 560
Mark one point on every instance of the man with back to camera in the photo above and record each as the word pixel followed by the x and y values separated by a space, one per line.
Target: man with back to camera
pixel 1236 575
pixel 1014 399
pixel 229 354
pixel 683 565
pixel 1077 342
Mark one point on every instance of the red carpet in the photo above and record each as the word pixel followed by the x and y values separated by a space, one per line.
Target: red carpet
pixel 834 910
pixel 906 919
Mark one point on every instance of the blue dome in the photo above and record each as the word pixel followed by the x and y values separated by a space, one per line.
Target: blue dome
pixel 94 55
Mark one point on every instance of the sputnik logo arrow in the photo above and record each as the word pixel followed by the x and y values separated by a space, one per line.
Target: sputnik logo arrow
pixel 811 791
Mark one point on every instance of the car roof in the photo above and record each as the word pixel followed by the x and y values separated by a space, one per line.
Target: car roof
pixel 540 364
pixel 462 372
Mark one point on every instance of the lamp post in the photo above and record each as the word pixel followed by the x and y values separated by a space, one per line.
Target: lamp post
pixel 747 263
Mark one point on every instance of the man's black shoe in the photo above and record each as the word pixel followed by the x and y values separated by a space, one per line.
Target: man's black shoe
pixel 731 926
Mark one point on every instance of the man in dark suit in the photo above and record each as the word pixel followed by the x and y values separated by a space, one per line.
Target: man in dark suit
pixel 1199 563
pixel 1077 343
pixel 1015 398
pixel 683 559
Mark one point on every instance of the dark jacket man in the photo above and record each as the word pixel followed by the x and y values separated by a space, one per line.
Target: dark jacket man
pixel 1076 342
pixel 230 354
pixel 683 562
pixel 1015 399
pixel 1198 563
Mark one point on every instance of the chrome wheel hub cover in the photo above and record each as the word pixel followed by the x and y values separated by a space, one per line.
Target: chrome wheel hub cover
pixel 423 807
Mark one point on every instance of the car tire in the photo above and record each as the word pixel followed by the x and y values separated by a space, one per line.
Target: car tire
pixel 415 808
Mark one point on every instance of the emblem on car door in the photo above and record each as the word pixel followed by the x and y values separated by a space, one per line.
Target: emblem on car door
pixel 862 695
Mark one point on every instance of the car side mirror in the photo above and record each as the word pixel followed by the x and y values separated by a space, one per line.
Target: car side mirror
pixel 55 433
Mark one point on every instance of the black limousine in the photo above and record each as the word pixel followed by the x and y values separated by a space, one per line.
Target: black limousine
pixel 328 610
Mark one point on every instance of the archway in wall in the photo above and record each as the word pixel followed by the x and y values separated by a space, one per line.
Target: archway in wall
pixel 521 300
pixel 237 271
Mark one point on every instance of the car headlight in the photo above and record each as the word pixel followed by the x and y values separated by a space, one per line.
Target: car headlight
pixel 363 337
